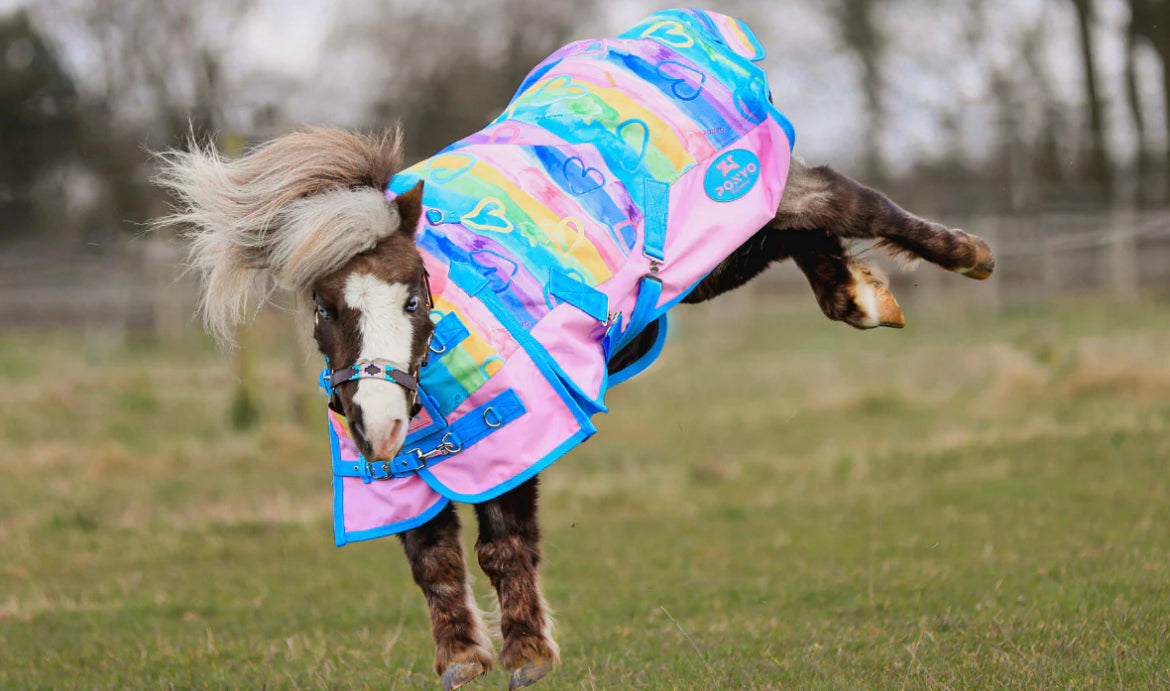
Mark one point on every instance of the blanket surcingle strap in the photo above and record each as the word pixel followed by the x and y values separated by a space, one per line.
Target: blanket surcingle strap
pixel 622 172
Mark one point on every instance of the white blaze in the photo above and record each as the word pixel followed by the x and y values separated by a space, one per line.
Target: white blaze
pixel 387 334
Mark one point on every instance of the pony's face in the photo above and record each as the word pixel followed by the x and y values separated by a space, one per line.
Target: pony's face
pixel 308 212
pixel 376 307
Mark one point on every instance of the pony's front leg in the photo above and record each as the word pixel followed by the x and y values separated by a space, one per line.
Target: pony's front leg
pixel 846 289
pixel 509 553
pixel 463 649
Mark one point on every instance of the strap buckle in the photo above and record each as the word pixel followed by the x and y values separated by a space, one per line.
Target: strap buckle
pixel 384 470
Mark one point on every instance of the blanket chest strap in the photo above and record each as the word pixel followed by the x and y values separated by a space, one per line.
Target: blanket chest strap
pixel 471 427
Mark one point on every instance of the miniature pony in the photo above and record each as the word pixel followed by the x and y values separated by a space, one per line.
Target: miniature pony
pixel 308 212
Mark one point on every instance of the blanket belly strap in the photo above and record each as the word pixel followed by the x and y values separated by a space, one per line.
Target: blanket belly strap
pixel 645 311
pixel 470 428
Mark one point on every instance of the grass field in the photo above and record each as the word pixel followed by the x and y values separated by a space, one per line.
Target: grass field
pixel 975 502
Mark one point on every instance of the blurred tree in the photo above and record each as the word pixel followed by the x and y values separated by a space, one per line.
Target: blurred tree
pixel 1133 98
pixel 449 69
pixel 38 120
pixel 856 25
pixel 1150 22
pixel 1047 160
pixel 158 65
pixel 153 74
pixel 1097 165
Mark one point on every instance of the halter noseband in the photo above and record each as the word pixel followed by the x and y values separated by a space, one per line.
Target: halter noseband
pixel 374 369
pixel 386 370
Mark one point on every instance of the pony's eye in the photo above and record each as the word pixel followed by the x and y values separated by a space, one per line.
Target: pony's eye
pixel 322 310
pixel 412 304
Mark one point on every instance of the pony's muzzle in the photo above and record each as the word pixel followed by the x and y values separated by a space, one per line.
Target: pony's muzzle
pixel 381 443
pixel 378 420
pixel 387 446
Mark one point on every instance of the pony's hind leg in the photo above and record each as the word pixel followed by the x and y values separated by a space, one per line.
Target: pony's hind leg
pixel 463 649
pixel 846 289
pixel 509 553
pixel 823 199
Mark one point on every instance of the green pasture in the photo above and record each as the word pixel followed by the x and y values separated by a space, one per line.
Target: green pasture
pixel 977 501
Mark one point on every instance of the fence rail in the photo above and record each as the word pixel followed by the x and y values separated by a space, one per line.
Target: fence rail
pixel 138 285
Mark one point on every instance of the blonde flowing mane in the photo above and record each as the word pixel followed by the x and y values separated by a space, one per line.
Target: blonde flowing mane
pixel 288 212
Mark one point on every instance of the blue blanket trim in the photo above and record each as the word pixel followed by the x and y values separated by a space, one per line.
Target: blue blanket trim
pixel 338 490
pixel 344 538
pixel 341 536
pixel 565 447
pixel 645 310
pixel 638 366
pixel 641 364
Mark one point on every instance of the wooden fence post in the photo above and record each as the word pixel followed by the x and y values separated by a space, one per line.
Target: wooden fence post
pixel 168 316
pixel 1049 271
pixel 1122 254
pixel 991 293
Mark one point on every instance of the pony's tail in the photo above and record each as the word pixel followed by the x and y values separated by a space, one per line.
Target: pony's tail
pixel 283 215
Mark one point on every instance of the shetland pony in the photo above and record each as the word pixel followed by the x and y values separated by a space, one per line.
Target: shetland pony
pixel 306 213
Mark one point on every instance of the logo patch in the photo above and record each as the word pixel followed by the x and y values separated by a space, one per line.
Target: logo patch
pixel 732 175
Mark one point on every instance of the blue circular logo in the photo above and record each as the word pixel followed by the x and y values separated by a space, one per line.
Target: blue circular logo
pixel 732 175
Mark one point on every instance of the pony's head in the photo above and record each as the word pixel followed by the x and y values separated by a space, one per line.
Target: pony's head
pixel 307 213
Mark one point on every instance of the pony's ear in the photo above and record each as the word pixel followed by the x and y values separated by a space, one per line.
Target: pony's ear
pixel 409 205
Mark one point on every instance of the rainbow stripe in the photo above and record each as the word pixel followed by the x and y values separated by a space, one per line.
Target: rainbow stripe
pixel 555 184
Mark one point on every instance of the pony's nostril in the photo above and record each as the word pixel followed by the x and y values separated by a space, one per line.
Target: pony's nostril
pixel 387 440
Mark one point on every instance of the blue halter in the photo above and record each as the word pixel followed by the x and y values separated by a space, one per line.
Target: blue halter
pixel 385 370
pixel 367 369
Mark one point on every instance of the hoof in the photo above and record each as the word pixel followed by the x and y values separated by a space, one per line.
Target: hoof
pixel 530 673
pixel 984 261
pixel 889 314
pixel 460 673
pixel 865 302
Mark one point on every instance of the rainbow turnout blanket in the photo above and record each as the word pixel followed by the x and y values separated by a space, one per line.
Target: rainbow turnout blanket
pixel 557 238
